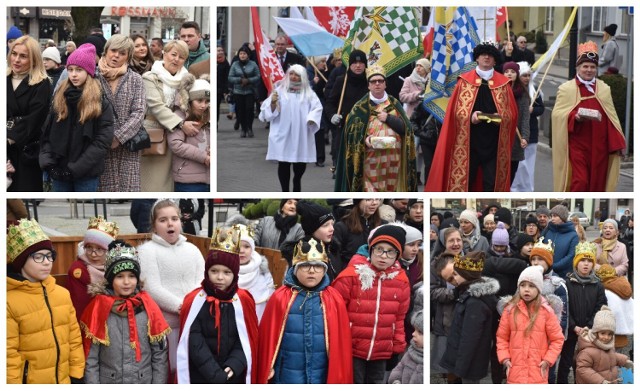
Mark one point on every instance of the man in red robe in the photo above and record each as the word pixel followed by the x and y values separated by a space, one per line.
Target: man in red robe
pixel 474 154
pixel 587 136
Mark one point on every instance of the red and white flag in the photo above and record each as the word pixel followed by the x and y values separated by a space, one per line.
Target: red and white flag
pixel 270 68
pixel 427 42
pixel 501 18
pixel 335 20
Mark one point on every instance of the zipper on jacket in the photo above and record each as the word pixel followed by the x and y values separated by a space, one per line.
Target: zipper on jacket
pixel 375 324
pixel 25 372
pixel 53 330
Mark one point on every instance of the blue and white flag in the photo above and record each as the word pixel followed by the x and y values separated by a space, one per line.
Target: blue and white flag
pixel 310 38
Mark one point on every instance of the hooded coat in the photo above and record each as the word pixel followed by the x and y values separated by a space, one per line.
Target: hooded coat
pixel 595 364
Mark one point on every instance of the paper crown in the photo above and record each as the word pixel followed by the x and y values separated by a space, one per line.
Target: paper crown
pixel 376 69
pixel 121 252
pixel 22 236
pixel 337 52
pixel 466 263
pixel 549 246
pixel 245 230
pixel 312 255
pixel 606 272
pixel 586 250
pixel 226 239
pixel 99 223
pixel 587 47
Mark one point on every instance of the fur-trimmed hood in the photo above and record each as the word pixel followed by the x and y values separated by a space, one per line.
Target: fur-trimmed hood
pixel 550 302
pixel 485 286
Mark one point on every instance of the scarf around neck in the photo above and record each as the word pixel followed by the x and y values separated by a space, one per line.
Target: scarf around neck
pixel 418 80
pixel 170 82
pixel 110 73
pixel 588 83
pixel 607 246
pixel 284 225
pixel 378 101
pixel 485 75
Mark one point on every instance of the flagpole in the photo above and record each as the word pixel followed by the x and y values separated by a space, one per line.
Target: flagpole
pixel 506 12
pixel 543 77
pixel 317 71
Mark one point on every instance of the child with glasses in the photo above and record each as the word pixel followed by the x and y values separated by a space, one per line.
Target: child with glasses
pixel 376 291
pixel 89 266
pixel 38 352
pixel 304 333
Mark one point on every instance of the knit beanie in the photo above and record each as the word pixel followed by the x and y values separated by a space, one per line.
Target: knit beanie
pixel 500 236
pixel 284 201
pixel 611 29
pixel 98 42
pixel 52 54
pixel 358 56
pixel 488 217
pixel 504 215
pixel 604 320
pixel 425 64
pixel 470 265
pixel 413 201
pixel 121 257
pixel 100 232
pixel 522 239
pixel 612 221
pixel 560 211
pixel 245 49
pixel 391 234
pixel 417 321
pixel 433 228
pixel 412 234
pixel 24 239
pixel 246 236
pixel 386 212
pixel 511 65
pixel 532 274
pixel 313 216
pixel 84 57
pixel 470 215
pixel 531 219
pixel 606 272
pixel 545 251
pixel 543 210
pixel 14 33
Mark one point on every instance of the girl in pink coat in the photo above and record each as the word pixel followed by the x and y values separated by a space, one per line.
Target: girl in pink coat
pixel 529 337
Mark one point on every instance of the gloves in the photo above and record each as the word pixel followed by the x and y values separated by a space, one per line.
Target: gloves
pixel 244 81
pixel 336 119
pixel 628 364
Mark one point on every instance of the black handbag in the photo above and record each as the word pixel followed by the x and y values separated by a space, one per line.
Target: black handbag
pixel 138 142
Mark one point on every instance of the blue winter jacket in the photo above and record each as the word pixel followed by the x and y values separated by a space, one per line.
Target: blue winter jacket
pixel 565 238
pixel 302 358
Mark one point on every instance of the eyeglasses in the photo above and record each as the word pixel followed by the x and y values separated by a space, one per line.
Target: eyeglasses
pixel 308 268
pixel 379 251
pixel 376 81
pixel 39 257
pixel 93 250
pixel 522 42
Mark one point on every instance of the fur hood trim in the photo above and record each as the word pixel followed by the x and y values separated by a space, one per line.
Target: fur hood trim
pixel 485 286
pixel 551 303
pixel 182 97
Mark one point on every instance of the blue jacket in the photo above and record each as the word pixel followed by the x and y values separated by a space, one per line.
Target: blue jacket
pixel 302 358
pixel 565 238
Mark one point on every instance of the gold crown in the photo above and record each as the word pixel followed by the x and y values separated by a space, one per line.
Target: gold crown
pixel 99 223
pixel 376 69
pixel 337 52
pixel 606 272
pixel 549 246
pixel 586 250
pixel 245 230
pixel 466 263
pixel 22 236
pixel 226 239
pixel 587 47
pixel 120 252
pixel 313 255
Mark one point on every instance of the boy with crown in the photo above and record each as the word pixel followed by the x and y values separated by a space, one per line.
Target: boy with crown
pixel 587 136
pixel 377 152
pixel 475 153
pixel 38 352
pixel 123 326
pixel 586 296
pixel 218 321
pixel 90 265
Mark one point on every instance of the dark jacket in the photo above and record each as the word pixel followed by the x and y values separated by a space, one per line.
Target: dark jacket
pixel 538 110
pixel 248 70
pixel 475 321
pixel 54 75
pixel 28 107
pixel 346 243
pixel 356 88
pixel 565 238
pixel 331 81
pixel 505 270
pixel 443 300
pixel 290 59
pixel 222 74
pixel 585 299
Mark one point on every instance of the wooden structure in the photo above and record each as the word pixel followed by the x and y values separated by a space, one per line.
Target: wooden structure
pixel 67 249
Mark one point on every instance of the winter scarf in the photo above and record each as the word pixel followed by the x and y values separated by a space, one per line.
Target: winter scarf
pixel 109 73
pixel 418 80
pixel 284 225
pixel 170 83
pixel 607 246
pixel 416 353
pixel 140 66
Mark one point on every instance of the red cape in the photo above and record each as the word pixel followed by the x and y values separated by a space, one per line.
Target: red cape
pixel 337 334
pixel 250 320
pixel 450 167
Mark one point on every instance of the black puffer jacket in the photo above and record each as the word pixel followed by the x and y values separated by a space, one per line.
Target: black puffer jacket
pixel 585 300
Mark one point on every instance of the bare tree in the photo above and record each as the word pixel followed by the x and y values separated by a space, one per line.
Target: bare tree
pixel 85 18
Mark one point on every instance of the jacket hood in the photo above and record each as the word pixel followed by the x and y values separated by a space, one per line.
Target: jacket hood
pixel 485 286
pixel 363 250
pixel 550 302
pixel 562 228
pixel 290 280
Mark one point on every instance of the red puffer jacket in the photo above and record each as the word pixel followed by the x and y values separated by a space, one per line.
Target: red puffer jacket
pixel 377 302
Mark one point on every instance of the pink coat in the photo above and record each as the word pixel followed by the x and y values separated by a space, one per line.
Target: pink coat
pixel 544 342
pixel 616 257
pixel 594 365
pixel 409 95
pixel 189 154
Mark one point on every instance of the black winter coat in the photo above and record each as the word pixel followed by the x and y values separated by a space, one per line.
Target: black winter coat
pixel 584 301
pixel 474 325
pixel 356 88
pixel 30 104
pixel 506 271
pixel 346 243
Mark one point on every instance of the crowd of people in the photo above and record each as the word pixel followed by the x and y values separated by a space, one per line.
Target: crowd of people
pixel 527 304
pixel 163 313
pixel 109 115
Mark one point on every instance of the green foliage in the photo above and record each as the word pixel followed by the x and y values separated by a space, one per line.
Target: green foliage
pixel 269 207
pixel 541 42
pixel 618 84
pixel 272 207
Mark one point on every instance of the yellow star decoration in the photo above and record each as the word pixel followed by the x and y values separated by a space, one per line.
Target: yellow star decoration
pixel 377 18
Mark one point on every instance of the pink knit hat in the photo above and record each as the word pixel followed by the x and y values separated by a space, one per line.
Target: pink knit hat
pixel 84 57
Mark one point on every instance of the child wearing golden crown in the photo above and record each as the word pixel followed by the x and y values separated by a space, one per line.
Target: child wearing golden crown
pixel 89 267
pixel 304 333
pixel 586 296
pixel 125 331
pixel 218 322
pixel 38 352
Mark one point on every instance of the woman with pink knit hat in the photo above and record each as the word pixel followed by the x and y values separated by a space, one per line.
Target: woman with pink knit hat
pixel 79 129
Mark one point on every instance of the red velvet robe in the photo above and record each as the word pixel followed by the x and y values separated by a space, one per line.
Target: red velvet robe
pixel 337 334
pixel 450 167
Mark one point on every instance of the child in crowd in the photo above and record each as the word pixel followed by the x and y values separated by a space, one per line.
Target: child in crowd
pixel 500 241
pixel 170 266
pixel 597 361
pixel 620 300
pixel 304 333
pixel 377 294
pixel 89 267
pixel 38 352
pixel 586 296
pixel 191 213
pixel 443 300
pixel 411 367
pixel 529 337
pixel 78 131
pixel 411 261
pixel 125 331
pixel 218 323
pixel 192 155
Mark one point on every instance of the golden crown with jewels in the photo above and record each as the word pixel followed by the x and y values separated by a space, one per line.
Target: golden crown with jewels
pixel 22 236
pixel 108 227
pixel 549 246
pixel 312 255
pixel 470 264
pixel 245 230
pixel 376 69
pixel 586 250
pixel 226 239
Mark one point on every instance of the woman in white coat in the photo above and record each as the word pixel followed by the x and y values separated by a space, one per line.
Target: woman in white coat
pixel 294 111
